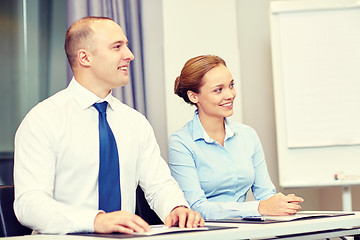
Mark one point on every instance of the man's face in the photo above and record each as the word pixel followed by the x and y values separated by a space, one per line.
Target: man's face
pixel 109 55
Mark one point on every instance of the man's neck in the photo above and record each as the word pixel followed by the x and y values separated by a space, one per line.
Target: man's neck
pixel 93 86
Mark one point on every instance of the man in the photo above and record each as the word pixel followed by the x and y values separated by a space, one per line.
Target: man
pixel 57 147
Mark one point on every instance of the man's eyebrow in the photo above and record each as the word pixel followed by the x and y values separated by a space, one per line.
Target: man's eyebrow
pixel 120 42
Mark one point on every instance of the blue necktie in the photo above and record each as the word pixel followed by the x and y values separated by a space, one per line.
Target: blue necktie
pixel 109 176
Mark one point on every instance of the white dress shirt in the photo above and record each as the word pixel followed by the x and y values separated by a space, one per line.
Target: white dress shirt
pixel 57 162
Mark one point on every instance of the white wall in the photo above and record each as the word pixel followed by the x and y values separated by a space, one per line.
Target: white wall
pixel 193 28
pixel 187 28
pixel 152 24
pixel 174 33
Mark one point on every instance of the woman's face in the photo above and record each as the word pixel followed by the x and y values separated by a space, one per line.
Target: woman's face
pixel 216 96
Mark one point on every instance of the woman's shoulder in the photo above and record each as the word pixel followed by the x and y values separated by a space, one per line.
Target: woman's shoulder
pixel 243 131
pixel 240 128
pixel 183 133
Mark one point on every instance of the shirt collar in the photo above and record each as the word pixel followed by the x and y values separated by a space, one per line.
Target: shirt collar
pixel 228 130
pixel 86 98
pixel 198 130
pixel 200 133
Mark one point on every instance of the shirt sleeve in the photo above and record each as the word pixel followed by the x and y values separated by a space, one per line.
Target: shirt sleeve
pixel 263 188
pixel 183 169
pixel 161 190
pixel 34 178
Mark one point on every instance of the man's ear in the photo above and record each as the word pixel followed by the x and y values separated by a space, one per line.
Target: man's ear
pixel 193 97
pixel 83 58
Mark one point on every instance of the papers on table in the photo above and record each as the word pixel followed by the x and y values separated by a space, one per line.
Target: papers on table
pixel 299 215
pixel 155 230
pixel 161 229
pixel 273 219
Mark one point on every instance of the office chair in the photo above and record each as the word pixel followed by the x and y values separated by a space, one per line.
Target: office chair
pixel 9 225
pixel 143 209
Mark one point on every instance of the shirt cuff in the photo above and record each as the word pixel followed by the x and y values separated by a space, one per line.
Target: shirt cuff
pixel 179 206
pixel 252 209
pixel 84 220
pixel 170 208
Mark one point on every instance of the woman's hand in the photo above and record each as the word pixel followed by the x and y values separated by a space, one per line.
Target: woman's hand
pixel 279 204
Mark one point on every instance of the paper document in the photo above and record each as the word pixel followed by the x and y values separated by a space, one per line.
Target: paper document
pixel 160 229
pixel 297 216
pixel 275 219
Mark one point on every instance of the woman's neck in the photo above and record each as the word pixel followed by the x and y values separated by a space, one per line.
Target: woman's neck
pixel 214 127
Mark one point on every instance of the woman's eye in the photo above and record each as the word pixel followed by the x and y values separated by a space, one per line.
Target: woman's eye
pixel 232 85
pixel 218 90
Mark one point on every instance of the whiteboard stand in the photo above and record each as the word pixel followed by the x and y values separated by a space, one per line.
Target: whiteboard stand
pixel 346 199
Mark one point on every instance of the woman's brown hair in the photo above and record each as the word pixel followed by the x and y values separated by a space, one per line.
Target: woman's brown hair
pixel 192 74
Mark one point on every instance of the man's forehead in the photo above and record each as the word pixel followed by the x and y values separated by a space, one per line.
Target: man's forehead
pixel 107 29
pixel 105 24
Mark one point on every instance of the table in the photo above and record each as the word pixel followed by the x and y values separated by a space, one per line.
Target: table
pixel 319 228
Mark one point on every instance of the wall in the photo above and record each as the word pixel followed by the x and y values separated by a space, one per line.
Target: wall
pixel 173 33
pixel 193 31
pixel 152 26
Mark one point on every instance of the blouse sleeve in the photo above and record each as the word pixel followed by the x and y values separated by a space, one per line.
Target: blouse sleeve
pixel 263 188
pixel 183 168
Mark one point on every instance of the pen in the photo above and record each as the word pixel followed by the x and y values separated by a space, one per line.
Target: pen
pixel 253 218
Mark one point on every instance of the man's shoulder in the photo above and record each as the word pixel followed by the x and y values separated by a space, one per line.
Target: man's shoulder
pixel 51 104
pixel 127 111
pixel 45 114
pixel 57 98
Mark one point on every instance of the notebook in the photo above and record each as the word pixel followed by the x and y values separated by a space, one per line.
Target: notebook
pixel 302 215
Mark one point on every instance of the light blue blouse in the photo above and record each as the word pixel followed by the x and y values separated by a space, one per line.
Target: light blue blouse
pixel 215 178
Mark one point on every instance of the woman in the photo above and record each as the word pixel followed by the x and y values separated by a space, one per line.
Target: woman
pixel 217 161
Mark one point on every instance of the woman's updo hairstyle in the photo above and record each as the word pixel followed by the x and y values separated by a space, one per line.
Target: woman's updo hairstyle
pixel 192 74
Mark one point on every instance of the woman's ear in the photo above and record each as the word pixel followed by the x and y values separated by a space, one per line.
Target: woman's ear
pixel 193 97
pixel 83 58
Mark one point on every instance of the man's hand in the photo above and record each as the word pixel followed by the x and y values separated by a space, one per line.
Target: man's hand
pixel 279 204
pixel 184 217
pixel 119 221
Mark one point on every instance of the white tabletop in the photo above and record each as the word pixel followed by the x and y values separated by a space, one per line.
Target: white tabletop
pixel 350 223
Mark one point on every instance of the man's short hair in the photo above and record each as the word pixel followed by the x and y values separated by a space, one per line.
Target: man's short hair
pixel 78 36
